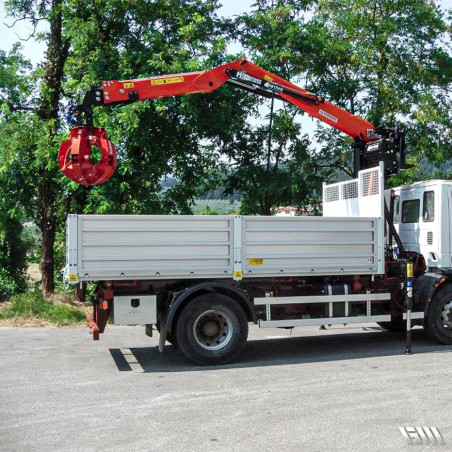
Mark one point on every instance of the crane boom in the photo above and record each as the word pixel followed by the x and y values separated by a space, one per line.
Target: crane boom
pixel 74 154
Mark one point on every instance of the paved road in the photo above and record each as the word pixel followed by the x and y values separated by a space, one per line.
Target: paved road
pixel 344 389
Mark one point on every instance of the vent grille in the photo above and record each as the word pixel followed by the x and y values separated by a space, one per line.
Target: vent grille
pixel 370 183
pixel 332 193
pixel 429 238
pixel 350 190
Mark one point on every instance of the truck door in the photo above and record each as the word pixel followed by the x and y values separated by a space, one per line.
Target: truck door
pixel 430 240
pixel 420 218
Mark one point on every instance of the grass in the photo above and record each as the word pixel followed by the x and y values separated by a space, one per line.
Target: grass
pixel 33 307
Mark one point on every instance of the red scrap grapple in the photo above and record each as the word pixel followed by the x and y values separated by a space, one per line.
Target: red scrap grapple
pixel 76 159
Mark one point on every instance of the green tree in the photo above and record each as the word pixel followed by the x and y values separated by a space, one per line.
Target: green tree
pixel 273 164
pixel 387 61
pixel 12 256
pixel 33 151
pixel 172 136
pixel 276 170
pixel 91 42
pixel 15 92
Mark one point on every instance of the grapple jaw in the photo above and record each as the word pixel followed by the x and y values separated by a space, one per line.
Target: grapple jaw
pixel 74 156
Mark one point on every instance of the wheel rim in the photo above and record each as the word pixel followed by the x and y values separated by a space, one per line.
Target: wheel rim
pixel 213 330
pixel 446 315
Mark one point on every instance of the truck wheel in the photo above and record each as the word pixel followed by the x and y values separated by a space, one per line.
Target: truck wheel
pixel 396 325
pixel 438 323
pixel 212 329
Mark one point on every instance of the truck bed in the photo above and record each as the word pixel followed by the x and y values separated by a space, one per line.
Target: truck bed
pixel 348 239
pixel 115 247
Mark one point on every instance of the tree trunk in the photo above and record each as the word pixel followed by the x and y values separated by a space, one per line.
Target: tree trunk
pixel 51 91
pixel 47 260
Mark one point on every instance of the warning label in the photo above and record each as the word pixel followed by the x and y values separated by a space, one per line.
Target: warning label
pixel 167 81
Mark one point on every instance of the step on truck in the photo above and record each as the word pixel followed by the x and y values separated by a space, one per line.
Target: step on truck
pixel 373 256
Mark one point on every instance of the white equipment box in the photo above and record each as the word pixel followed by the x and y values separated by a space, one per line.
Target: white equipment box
pixel 135 310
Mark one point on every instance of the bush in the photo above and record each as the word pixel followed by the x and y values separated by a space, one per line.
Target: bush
pixel 34 306
pixel 8 286
pixel 13 251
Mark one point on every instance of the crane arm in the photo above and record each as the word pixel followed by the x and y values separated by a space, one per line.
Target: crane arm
pixel 242 74
pixel 74 156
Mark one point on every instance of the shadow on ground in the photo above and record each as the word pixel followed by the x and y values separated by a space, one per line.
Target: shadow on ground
pixel 287 350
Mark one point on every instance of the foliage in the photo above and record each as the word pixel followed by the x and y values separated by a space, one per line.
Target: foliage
pixel 273 164
pixel 8 285
pixel 12 246
pixel 16 86
pixel 386 60
pixel 32 240
pixel 34 306
pixel 88 43
pixel 276 173
pixel 213 206
pixel 165 136
pixel 12 256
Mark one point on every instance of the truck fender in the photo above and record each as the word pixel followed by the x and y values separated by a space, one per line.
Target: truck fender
pixel 178 299
pixel 425 288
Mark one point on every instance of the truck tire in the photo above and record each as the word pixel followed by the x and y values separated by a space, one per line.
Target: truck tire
pixel 438 323
pixel 211 329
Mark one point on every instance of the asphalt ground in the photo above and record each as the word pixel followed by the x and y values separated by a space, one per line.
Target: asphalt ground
pixel 344 389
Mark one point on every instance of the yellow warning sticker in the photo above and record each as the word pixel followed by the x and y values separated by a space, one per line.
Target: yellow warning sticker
pixel 238 274
pixel 255 261
pixel 267 78
pixel 409 269
pixel 167 81
pixel 129 85
pixel 73 277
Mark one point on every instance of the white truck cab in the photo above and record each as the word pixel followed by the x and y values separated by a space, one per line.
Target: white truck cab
pixel 423 217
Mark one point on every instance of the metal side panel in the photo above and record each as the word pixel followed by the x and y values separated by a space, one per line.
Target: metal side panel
pixel 301 246
pixel 154 246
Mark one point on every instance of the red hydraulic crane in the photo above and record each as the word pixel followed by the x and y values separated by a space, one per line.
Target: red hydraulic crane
pixel 74 156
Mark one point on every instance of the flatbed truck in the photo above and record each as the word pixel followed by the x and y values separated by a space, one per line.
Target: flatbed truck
pixel 200 280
